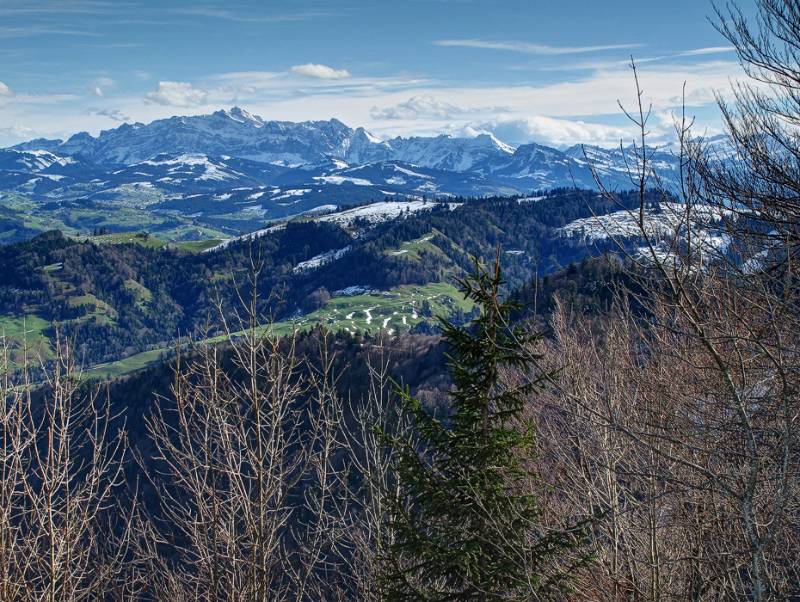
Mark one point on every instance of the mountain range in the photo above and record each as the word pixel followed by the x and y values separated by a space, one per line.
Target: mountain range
pixel 231 171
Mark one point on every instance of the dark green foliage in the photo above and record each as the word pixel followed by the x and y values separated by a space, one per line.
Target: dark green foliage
pixel 465 525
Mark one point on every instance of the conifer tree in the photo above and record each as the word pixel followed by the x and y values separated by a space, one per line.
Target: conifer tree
pixel 464 525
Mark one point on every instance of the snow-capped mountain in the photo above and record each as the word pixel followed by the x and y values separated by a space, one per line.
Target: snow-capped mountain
pixel 234 132
pixel 237 133
pixel 448 153
pixel 235 164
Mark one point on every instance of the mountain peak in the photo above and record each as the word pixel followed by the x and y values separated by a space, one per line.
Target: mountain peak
pixel 241 115
pixel 490 139
pixel 367 135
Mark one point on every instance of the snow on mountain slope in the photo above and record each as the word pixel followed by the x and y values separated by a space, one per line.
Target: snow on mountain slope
pixel 363 147
pixel 237 133
pixel 616 162
pixel 661 225
pixel 342 180
pixel 376 213
pixel 448 153
pixel 320 260
pixel 324 147
pixel 369 215
pixel 41 171
pixel 234 132
pixel 201 166
pixel 31 160
pixel 232 163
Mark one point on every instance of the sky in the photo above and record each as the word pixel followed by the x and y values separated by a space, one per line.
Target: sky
pixel 541 71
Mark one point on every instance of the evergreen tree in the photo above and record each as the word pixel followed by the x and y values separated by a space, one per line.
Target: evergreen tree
pixel 465 526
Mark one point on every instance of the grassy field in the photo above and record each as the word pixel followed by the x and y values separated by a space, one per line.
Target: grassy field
pixel 24 217
pixel 20 332
pixel 157 241
pixel 117 238
pixel 121 367
pixel 116 218
pixel 393 311
pixel 411 249
pixel 142 294
pixel 196 246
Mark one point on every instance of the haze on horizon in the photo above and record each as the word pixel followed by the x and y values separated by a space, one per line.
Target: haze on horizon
pixel 522 71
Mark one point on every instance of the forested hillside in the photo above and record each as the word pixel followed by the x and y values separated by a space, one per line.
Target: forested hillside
pixel 116 299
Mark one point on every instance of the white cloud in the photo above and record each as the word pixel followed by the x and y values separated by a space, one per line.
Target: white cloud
pixel 320 71
pixel 704 51
pixel 416 107
pixel 113 114
pixel 5 90
pixel 551 131
pixel 429 107
pixel 530 48
pixel 101 85
pixel 239 16
pixel 17 133
pixel 177 94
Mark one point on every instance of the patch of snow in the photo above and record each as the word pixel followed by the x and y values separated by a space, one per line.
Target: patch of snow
pixel 377 212
pixel 291 193
pixel 254 210
pixel 413 174
pixel 339 180
pixel 353 291
pixel 251 236
pixel 211 171
pixel 322 209
pixel 660 226
pixel 320 260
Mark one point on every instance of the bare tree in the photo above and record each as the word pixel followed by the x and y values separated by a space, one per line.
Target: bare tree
pixel 680 419
pixel 229 453
pixel 762 184
pixel 372 480
pixel 252 468
pixel 61 538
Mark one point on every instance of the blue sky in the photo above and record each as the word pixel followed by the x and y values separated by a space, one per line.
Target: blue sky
pixel 540 71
